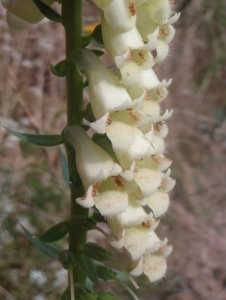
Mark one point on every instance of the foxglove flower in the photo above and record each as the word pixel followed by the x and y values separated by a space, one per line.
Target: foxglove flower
pixel 22 13
pixel 99 173
pixel 134 192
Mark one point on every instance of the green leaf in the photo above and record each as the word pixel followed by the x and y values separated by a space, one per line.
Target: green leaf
pixel 89 268
pixel 105 273
pixel 62 68
pixel 94 251
pixel 97 37
pixel 109 274
pixel 88 113
pixel 64 166
pixel 55 233
pixel 102 295
pixel 48 12
pixel 103 141
pixel 98 52
pixel 38 139
pixel 98 44
pixel 45 248
pixel 66 295
pixel 67 258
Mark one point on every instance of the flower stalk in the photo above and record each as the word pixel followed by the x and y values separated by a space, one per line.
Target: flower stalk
pixel 72 21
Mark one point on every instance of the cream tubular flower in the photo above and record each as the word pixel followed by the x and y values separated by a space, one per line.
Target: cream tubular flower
pixel 99 173
pixel 106 92
pixel 20 13
pixel 118 42
pixel 126 19
pixel 93 163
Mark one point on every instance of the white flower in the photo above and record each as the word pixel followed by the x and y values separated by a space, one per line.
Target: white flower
pixel 109 196
pixel 118 41
pixel 20 13
pixel 126 19
pixel 93 163
pixel 153 266
pixel 107 94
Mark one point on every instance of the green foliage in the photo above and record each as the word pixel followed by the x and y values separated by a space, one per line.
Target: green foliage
pixel 79 222
pixel 62 68
pixel 109 274
pixel 102 295
pixel 103 141
pixel 55 233
pixel 97 37
pixel 38 139
pixel 67 258
pixel 48 250
pixel 88 113
pixel 97 252
pixel 98 52
pixel 89 268
pixel 64 166
pixel 48 12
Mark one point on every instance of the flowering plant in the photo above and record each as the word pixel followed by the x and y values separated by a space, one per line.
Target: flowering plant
pixel 120 173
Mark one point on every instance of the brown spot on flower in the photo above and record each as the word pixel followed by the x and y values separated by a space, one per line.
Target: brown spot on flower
pixel 130 56
pixel 132 9
pixel 160 251
pixel 94 192
pixel 135 170
pixel 119 239
pixel 98 183
pixel 160 33
pixel 142 56
pixel 155 159
pixel 146 224
pixel 157 127
pixel 164 31
pixel 129 108
pixel 109 121
pixel 159 92
pixel 127 73
pixel 84 197
pixel 135 117
pixel 118 181
pixel 148 96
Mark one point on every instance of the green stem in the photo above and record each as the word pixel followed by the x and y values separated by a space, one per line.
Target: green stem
pixel 72 21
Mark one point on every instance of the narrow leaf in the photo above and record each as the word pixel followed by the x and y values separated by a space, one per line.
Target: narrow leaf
pixel 89 268
pixel 103 141
pixel 48 12
pixel 66 295
pixel 88 113
pixel 98 52
pixel 38 139
pixel 62 68
pixel 64 166
pixel 45 248
pixel 98 44
pixel 55 233
pixel 97 37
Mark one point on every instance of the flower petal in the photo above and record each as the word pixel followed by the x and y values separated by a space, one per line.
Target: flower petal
pixel 136 240
pixel 159 203
pixel 154 267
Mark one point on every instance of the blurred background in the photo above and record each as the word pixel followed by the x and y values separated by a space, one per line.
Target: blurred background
pixel 32 189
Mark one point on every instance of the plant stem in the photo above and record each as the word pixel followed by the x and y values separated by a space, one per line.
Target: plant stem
pixel 72 21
